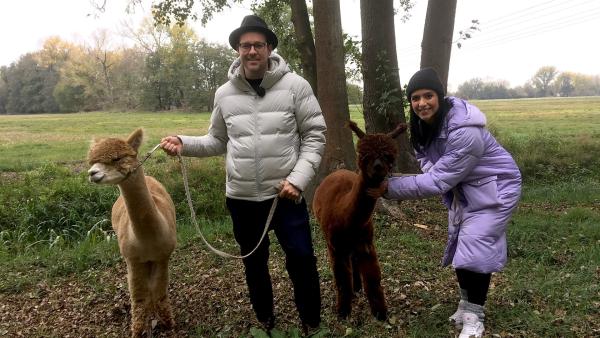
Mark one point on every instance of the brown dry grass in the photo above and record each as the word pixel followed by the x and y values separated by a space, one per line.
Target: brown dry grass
pixel 209 295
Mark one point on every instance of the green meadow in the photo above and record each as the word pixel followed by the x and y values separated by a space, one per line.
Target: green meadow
pixel 59 257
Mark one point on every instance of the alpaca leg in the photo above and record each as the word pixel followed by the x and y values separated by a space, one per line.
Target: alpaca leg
pixel 160 293
pixel 343 282
pixel 371 273
pixel 356 282
pixel 138 275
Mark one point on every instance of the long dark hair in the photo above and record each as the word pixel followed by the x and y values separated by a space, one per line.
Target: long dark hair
pixel 421 133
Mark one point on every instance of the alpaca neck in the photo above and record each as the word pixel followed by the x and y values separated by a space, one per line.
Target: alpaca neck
pixel 362 204
pixel 138 200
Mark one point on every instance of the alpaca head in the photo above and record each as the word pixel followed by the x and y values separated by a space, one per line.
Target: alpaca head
pixel 113 159
pixel 376 152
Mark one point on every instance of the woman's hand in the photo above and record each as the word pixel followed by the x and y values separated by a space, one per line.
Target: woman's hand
pixel 378 191
pixel 171 145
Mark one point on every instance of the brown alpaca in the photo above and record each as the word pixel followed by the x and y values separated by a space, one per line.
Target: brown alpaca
pixel 143 217
pixel 343 209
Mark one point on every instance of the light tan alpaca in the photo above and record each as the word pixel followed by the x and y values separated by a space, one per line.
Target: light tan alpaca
pixel 143 218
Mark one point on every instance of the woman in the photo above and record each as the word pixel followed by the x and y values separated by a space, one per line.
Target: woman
pixel 478 179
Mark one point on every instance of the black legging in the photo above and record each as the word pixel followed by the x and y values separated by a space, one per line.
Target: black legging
pixel 476 284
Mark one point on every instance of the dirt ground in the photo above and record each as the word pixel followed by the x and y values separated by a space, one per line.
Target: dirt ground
pixel 208 296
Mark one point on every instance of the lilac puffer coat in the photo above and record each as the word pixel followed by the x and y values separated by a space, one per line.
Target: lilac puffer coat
pixel 480 183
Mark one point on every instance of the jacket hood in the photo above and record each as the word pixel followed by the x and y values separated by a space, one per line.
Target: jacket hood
pixel 277 69
pixel 463 114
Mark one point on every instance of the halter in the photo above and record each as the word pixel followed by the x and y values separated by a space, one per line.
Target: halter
pixel 193 212
pixel 148 154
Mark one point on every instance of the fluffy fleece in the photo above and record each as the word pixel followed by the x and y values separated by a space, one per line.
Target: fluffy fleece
pixel 143 218
pixel 344 212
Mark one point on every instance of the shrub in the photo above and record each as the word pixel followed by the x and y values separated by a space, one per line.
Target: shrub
pixel 53 205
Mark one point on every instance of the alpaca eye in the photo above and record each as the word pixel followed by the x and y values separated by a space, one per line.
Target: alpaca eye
pixel 116 159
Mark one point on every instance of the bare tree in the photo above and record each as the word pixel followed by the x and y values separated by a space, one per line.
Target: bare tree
pixel 437 37
pixel 149 36
pixel 383 102
pixel 542 80
pixel 304 41
pixel 339 151
pixel 564 84
pixel 105 58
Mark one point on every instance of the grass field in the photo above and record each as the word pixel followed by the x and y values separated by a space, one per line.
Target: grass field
pixel 27 142
pixel 62 274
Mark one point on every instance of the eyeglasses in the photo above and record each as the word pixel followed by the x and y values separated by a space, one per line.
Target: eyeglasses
pixel 258 46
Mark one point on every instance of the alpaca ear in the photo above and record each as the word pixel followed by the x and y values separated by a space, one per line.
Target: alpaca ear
pixel 400 128
pixel 354 127
pixel 136 138
pixel 94 140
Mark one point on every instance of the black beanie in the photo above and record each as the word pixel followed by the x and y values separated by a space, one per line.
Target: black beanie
pixel 426 78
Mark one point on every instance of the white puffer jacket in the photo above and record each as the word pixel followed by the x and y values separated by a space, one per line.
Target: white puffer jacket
pixel 267 139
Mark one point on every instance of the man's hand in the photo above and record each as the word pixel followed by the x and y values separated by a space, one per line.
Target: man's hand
pixel 289 191
pixel 379 191
pixel 171 145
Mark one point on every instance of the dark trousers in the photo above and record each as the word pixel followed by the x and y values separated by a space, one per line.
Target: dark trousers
pixel 476 284
pixel 291 225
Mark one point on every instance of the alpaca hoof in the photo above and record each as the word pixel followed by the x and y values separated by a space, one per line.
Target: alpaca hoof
pixel 380 315
pixel 137 333
pixel 166 321
pixel 343 313
pixel 165 314
pixel 168 324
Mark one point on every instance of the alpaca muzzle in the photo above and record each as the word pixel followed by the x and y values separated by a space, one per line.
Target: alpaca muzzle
pixel 380 168
pixel 95 175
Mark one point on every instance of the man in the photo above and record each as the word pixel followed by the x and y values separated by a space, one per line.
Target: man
pixel 269 123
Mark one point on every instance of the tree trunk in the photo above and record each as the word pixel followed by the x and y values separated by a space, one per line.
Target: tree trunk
pixel 437 37
pixel 339 150
pixel 382 99
pixel 304 42
pixel 105 67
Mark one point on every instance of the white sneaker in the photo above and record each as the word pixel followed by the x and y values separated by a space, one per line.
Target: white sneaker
pixel 472 326
pixel 456 318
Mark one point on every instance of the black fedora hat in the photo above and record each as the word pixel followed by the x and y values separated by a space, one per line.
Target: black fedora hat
pixel 252 23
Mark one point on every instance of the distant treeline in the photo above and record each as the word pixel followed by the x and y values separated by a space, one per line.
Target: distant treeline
pixel 167 68
pixel 547 81
pixel 171 68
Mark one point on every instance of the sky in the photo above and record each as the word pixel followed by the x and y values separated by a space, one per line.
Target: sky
pixel 515 37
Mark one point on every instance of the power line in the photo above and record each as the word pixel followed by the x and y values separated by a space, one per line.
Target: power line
pixel 538 29
pixel 570 9
pixel 523 12
pixel 520 11
pixel 501 20
pixel 519 32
